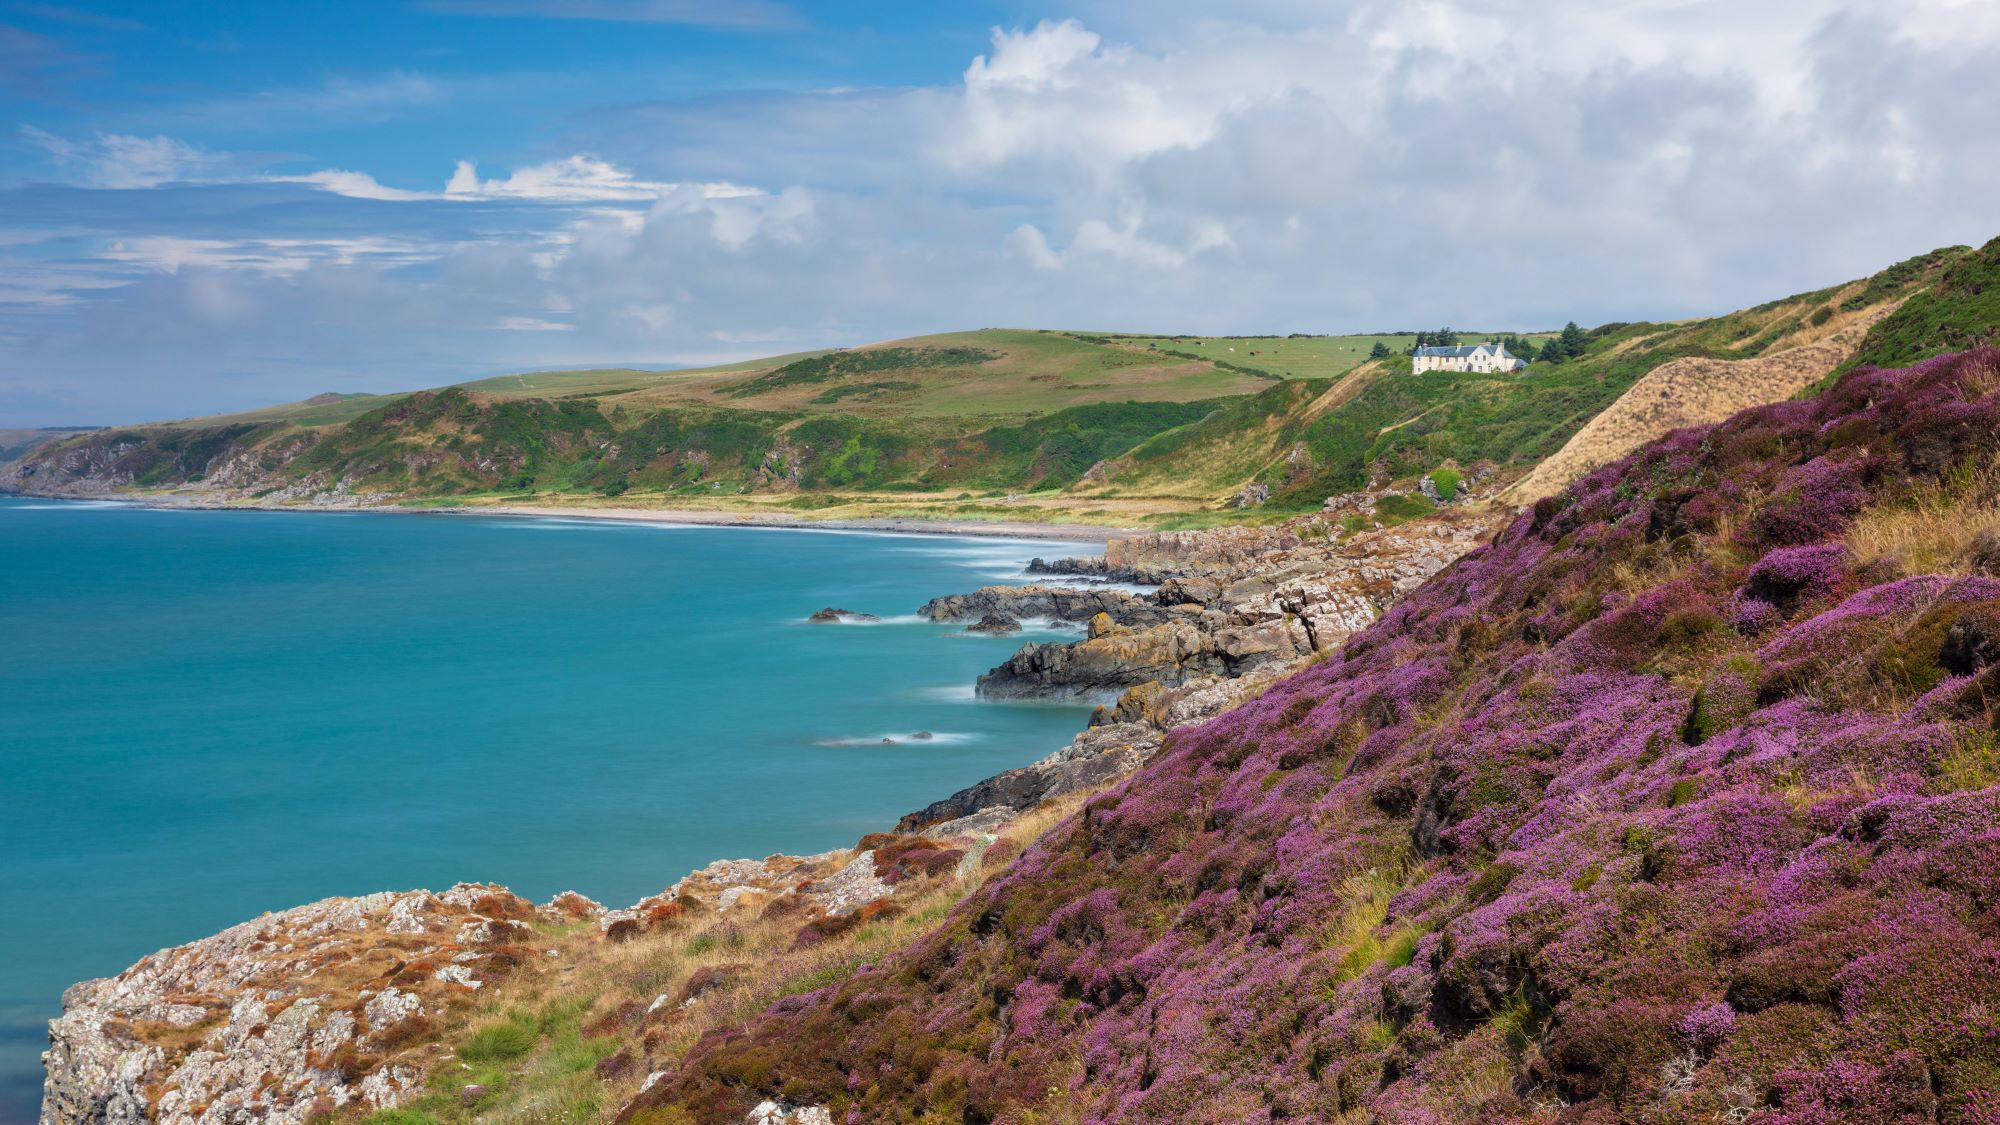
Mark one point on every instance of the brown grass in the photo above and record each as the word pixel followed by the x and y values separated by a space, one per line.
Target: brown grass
pixel 743 966
pixel 1694 391
pixel 1932 531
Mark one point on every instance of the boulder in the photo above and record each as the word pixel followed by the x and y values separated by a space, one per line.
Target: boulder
pixel 997 624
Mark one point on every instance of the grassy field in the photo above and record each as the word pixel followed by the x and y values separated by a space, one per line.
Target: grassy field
pixel 1285 357
pixel 1024 373
pixel 1028 372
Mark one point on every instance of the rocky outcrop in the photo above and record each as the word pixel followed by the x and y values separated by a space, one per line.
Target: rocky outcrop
pixel 1051 603
pixel 286 1017
pixel 1095 758
pixel 1232 602
pixel 994 624
pixel 340 1005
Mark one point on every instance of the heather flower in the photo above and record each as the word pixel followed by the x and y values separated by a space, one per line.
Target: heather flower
pixel 1792 575
pixel 1708 1025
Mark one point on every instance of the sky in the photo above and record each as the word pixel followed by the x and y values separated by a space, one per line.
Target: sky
pixel 209 206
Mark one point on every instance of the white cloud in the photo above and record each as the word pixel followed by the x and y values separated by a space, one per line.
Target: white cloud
pixel 114 160
pixel 573 179
pixel 354 185
pixel 1295 166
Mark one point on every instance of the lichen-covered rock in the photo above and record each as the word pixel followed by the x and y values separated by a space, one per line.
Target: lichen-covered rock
pixel 278 1018
pixel 785 1113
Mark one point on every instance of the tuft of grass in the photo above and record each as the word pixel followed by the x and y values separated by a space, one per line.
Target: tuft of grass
pixel 1974 763
pixel 499 1042
pixel 1932 530
pixel 1355 930
pixel 1519 1021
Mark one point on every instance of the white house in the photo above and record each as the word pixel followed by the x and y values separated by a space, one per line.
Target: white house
pixel 1477 357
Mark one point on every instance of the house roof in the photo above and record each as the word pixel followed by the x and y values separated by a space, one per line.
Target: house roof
pixel 1464 352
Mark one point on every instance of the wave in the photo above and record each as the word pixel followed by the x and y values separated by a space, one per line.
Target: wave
pixel 903 738
pixel 81 506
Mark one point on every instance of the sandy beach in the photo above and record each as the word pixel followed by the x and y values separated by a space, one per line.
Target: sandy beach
pixel 899 525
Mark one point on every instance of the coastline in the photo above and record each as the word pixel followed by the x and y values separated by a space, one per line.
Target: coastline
pixel 667 517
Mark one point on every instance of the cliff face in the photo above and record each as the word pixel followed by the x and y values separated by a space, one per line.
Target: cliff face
pixel 1681 801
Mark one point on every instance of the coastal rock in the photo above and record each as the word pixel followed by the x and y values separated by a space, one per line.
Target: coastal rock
pixel 1236 602
pixel 985 822
pixel 1052 603
pixel 1091 760
pixel 997 624
pixel 1112 659
pixel 832 616
pixel 569 907
pixel 275 1019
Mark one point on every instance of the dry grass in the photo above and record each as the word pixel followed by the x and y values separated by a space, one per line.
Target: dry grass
pixel 591 1004
pixel 1693 391
pixel 1933 531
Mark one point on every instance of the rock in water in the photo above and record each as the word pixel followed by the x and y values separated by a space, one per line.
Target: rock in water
pixel 997 624
pixel 832 616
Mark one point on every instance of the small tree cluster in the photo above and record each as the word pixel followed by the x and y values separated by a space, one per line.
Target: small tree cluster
pixel 1442 338
pixel 1568 344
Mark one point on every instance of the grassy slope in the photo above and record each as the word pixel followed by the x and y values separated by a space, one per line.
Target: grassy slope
pixel 1289 357
pixel 15 443
pixel 1004 423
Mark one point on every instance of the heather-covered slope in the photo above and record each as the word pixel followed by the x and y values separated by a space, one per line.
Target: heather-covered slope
pixel 1679 802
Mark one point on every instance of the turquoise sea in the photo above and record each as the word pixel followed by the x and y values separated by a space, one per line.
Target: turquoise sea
pixel 206 715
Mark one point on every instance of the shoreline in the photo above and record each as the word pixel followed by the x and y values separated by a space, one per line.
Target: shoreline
pixel 666 517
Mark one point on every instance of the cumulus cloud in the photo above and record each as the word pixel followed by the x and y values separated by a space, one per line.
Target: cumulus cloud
pixel 1292 167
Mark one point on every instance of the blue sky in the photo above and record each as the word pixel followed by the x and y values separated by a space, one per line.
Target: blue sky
pixel 207 206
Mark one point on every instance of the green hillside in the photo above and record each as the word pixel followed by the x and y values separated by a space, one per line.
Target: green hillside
pixel 998 423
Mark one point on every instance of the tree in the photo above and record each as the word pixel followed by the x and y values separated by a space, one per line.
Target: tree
pixel 1379 351
pixel 1573 340
pixel 1552 351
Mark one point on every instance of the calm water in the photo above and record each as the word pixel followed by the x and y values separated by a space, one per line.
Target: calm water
pixel 205 715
